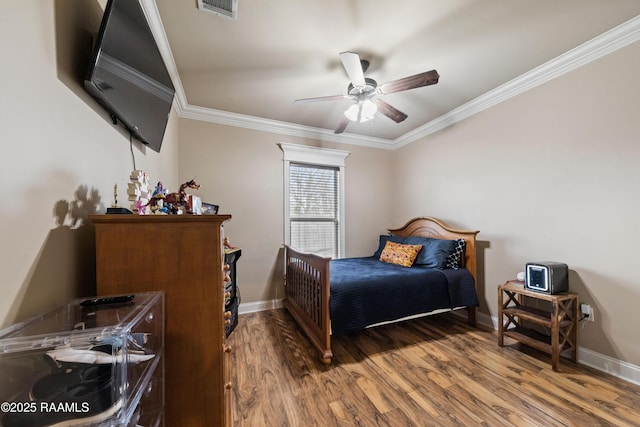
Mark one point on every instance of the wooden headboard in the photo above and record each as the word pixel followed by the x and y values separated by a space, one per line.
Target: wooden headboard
pixel 436 229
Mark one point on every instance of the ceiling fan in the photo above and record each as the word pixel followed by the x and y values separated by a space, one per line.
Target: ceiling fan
pixel 366 92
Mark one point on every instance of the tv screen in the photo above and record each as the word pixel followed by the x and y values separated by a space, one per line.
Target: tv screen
pixel 127 74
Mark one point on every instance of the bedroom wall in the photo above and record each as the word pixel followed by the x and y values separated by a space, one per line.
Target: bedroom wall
pixel 549 175
pixel 241 170
pixel 61 156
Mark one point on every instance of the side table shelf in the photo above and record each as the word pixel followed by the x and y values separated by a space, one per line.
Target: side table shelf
pixel 562 321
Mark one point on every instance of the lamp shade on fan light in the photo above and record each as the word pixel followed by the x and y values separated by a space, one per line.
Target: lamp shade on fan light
pixel 361 111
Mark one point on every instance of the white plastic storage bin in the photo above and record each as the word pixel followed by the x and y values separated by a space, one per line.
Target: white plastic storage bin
pixel 81 364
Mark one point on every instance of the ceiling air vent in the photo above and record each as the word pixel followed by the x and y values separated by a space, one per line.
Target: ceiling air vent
pixel 225 8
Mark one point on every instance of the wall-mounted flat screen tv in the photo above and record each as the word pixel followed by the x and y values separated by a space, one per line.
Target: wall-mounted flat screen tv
pixel 127 74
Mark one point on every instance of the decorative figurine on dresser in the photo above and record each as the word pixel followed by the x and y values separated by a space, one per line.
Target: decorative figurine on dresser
pixel 183 256
pixel 178 202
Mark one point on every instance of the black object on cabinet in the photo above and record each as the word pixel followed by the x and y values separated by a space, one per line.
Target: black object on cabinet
pixel 231 289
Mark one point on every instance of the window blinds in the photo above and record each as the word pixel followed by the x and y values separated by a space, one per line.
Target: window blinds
pixel 314 209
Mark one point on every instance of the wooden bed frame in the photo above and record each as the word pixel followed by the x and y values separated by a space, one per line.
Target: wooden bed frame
pixel 307 281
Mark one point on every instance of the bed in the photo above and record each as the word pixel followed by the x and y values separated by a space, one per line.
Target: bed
pixel 341 296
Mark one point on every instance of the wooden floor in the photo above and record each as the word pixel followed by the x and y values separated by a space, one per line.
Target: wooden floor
pixel 434 371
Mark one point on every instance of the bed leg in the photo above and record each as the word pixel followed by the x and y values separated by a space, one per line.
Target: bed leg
pixel 471 316
pixel 326 358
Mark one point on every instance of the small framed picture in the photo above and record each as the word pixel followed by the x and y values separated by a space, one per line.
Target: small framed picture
pixel 209 209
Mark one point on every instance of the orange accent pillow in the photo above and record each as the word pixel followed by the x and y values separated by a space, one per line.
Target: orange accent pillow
pixel 397 253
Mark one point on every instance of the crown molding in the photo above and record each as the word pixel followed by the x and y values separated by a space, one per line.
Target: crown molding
pixel 282 128
pixel 604 44
pixel 152 14
pixel 610 41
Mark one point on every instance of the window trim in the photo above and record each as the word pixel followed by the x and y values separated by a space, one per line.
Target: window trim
pixel 295 153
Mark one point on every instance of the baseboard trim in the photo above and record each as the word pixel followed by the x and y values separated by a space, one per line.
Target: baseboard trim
pixel 601 362
pixel 609 365
pixel 254 307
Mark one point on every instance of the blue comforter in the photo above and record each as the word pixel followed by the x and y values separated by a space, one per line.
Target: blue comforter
pixel 366 291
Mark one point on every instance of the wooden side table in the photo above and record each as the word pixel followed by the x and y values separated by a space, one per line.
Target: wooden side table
pixel 561 320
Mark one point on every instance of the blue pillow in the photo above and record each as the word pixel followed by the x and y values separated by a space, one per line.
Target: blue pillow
pixel 383 241
pixel 434 252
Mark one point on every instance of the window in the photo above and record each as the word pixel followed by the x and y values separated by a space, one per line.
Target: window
pixel 314 214
pixel 314 199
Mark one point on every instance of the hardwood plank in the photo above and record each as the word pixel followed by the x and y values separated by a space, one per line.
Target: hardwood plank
pixel 435 371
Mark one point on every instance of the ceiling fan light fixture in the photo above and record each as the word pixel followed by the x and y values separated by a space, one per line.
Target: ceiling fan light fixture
pixel 361 111
pixel 353 112
pixel 368 110
pixel 366 93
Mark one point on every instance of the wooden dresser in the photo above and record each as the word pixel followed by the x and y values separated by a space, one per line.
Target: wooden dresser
pixel 181 255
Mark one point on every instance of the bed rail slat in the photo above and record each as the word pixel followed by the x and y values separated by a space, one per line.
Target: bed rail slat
pixel 307 297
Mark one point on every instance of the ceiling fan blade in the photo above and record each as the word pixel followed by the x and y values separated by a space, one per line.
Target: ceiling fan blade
pixel 423 79
pixel 342 126
pixel 322 98
pixel 392 112
pixel 353 67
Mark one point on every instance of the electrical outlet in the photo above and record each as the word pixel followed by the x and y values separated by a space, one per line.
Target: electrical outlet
pixel 587 312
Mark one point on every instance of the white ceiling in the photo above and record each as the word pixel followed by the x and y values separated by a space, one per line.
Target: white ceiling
pixel 249 71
